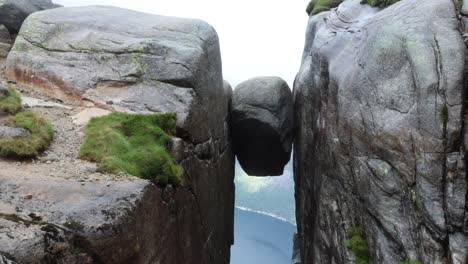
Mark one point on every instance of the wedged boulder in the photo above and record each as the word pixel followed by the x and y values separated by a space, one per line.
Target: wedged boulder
pixel 378 141
pixel 14 12
pixel 122 60
pixel 261 125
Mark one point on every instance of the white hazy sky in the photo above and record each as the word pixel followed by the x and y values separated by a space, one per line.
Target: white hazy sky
pixel 258 37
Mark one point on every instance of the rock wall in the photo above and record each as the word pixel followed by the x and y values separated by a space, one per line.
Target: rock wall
pixel 123 60
pixel 380 138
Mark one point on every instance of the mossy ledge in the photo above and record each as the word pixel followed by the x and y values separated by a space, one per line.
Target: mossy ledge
pixel 379 3
pixel 317 6
pixel 12 102
pixel 30 146
pixel 136 144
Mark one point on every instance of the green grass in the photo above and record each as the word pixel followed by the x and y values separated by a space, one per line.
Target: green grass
pixel 134 144
pixel 358 245
pixel 407 261
pixel 379 3
pixel 31 146
pixel 12 102
pixel 317 6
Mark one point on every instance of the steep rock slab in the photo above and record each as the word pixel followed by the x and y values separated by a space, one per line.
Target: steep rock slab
pixel 129 61
pixel 14 12
pixel 261 124
pixel 378 105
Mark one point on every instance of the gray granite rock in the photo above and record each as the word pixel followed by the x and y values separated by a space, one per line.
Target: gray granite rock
pixel 141 63
pixel 5 260
pixel 378 110
pixel 261 124
pixel 3 91
pixel 14 12
pixel 151 63
pixel 13 132
pixel 464 9
pixel 5 35
pixel 5 41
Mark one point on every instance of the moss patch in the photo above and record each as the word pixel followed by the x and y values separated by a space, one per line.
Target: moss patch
pixel 444 114
pixel 317 6
pixel 12 102
pixel 134 144
pixel 379 3
pixel 407 261
pixel 31 146
pixel 358 245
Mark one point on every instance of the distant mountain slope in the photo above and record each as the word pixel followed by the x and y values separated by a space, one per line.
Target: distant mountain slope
pixel 272 195
pixel 261 239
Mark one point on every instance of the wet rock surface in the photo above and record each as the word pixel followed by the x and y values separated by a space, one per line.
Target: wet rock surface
pixel 262 123
pixel 379 103
pixel 59 209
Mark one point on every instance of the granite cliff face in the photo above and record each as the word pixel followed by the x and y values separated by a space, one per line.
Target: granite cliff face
pixel 121 60
pixel 380 137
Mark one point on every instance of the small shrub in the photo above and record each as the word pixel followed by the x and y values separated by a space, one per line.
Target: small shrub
pixel 358 245
pixel 134 144
pixel 407 261
pixel 316 6
pixel 379 3
pixel 30 146
pixel 12 102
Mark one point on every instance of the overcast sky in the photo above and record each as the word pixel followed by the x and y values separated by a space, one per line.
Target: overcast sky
pixel 258 37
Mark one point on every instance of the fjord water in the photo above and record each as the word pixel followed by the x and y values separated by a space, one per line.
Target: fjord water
pixel 264 227
pixel 260 238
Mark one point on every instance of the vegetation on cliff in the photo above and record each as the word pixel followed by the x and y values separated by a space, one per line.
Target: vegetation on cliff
pixel 10 103
pixel 358 245
pixel 316 6
pixel 135 144
pixel 30 146
pixel 379 3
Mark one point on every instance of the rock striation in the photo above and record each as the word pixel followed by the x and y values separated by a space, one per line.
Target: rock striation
pixel 380 141
pixel 262 123
pixel 122 60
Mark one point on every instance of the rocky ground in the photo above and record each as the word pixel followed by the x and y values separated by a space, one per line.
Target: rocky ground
pixel 62 158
